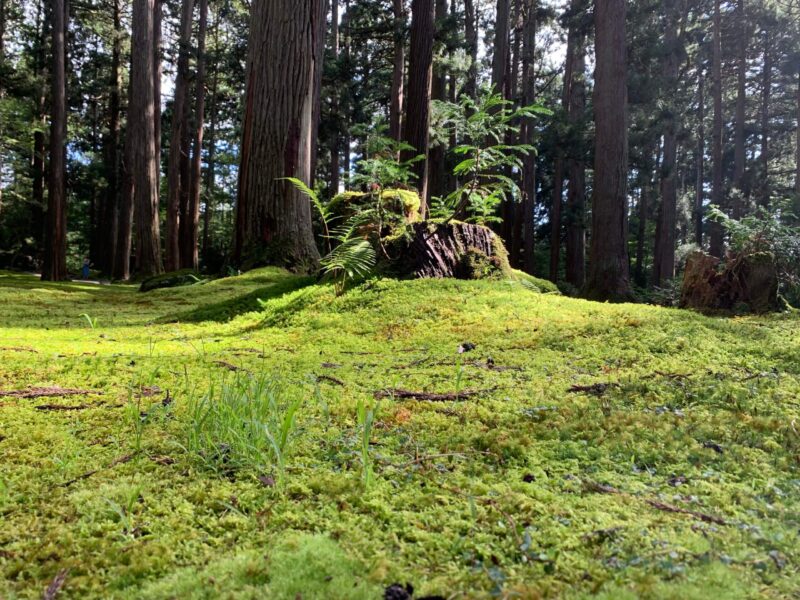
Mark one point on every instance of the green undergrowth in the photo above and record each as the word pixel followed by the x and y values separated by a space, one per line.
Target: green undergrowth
pixel 622 451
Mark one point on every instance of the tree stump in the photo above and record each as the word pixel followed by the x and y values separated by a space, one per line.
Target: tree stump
pixel 457 250
pixel 745 282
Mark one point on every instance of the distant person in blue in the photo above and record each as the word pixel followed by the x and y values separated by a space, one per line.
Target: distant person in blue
pixel 85 269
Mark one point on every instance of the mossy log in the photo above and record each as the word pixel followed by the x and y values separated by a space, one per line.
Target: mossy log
pixel 743 283
pixel 457 250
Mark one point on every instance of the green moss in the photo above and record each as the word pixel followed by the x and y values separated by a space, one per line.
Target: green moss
pixel 404 203
pixel 171 279
pixel 492 493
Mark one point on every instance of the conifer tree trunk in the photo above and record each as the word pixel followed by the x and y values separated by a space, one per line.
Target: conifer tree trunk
pixel 109 222
pixel 575 217
pixel 700 158
pixel 142 134
pixel 528 131
pixel 190 258
pixel 178 145
pixel 739 122
pixel 335 149
pixel 437 172
pixel 664 253
pixel 471 37
pixel 418 102
pixel 608 273
pixel 766 92
pixel 797 141
pixel 398 71
pixel 212 147
pixel 500 52
pixel 273 220
pixel 715 229
pixel 55 255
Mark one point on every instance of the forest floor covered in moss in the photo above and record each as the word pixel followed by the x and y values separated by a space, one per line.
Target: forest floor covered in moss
pixel 621 450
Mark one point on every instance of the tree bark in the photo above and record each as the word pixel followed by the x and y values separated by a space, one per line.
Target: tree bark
pixel 212 147
pixel 55 256
pixel 700 158
pixel 335 145
pixel 190 258
pixel 437 172
pixel 471 38
pixel 273 220
pixel 528 135
pixel 797 142
pixel 715 229
pixel 608 274
pixel 178 156
pixel 109 221
pixel 500 53
pixel 398 71
pixel 418 103
pixel 142 133
pixel 766 92
pixel 664 252
pixel 739 156
pixel 575 218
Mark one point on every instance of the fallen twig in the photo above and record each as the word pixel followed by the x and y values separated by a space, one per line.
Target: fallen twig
pixel 229 366
pixel 596 389
pixel 55 586
pixel 18 349
pixel 657 504
pixel 331 379
pixel 685 511
pixel 63 407
pixel 401 394
pixel 117 461
pixel 42 392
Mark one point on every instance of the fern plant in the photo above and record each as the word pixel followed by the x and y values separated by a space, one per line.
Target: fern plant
pixel 353 257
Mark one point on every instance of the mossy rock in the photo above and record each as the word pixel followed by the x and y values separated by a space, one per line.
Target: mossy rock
pixel 171 280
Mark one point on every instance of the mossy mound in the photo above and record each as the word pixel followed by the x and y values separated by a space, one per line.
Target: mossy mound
pixel 402 204
pixel 171 280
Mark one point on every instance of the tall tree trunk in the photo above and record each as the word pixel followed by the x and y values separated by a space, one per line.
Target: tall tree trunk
pixel 608 273
pixel 335 149
pixel 664 253
pixel 437 171
pixel 418 102
pixel 142 133
pixel 500 52
pixel 641 232
pixel 109 223
pixel 157 34
pixel 55 256
pixel 797 142
pixel 273 220
pixel 700 159
pixel 177 145
pixel 190 258
pixel 212 146
pixel 528 134
pixel 575 218
pixel 398 71
pixel 739 156
pixel 471 37
pixel 766 92
pixel 715 228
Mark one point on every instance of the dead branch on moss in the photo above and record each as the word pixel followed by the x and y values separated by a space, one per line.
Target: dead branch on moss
pixel 62 407
pixel 602 488
pixel 401 394
pixel 43 392
pixel 330 379
pixel 55 586
pixel 117 461
pixel 596 389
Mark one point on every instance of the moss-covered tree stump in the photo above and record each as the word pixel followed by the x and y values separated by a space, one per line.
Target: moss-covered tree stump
pixel 747 282
pixel 458 250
